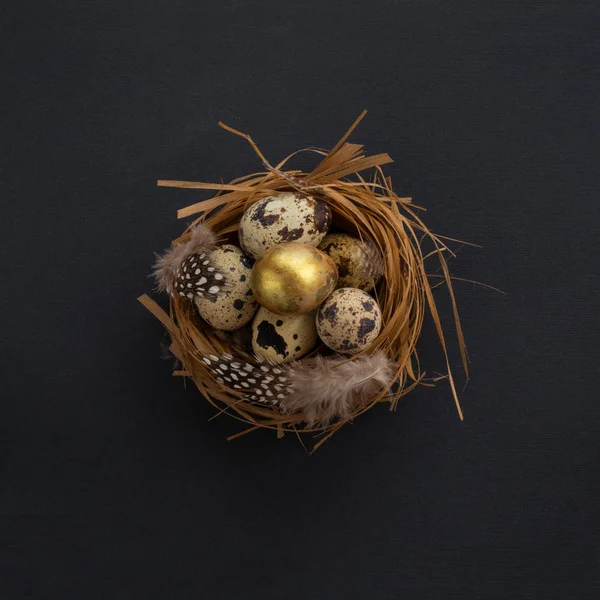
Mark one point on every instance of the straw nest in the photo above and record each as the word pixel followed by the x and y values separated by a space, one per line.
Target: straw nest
pixel 363 204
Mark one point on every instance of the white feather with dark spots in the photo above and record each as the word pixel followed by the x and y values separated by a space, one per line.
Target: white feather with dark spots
pixel 196 277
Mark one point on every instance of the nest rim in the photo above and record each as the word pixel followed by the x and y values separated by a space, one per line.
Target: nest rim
pixel 367 209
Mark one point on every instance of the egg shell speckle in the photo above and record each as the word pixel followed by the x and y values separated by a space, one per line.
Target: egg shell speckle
pixel 349 320
pixel 283 217
pixel 235 305
pixel 346 252
pixel 279 338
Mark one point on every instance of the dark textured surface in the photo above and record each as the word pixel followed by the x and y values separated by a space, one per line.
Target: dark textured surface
pixel 114 485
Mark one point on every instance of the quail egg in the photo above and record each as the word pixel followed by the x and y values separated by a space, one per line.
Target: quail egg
pixel 359 263
pixel 235 305
pixel 283 217
pixel 349 320
pixel 279 338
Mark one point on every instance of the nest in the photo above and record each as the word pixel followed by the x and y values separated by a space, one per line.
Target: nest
pixel 364 205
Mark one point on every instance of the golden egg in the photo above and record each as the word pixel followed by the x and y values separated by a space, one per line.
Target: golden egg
pixel 293 278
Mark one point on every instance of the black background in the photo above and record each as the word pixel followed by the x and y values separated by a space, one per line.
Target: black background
pixel 114 484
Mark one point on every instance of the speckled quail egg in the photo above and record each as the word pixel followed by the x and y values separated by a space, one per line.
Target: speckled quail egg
pixel 280 338
pixel 283 217
pixel 235 305
pixel 349 320
pixel 359 263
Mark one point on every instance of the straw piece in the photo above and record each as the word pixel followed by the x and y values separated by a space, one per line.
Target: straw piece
pixel 198 185
pixel 355 166
pixel 241 433
pixel 343 139
pixel 159 313
pixel 247 137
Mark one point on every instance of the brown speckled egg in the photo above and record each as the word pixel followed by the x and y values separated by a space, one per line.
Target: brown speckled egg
pixel 349 320
pixel 280 338
pixel 283 217
pixel 351 259
pixel 235 305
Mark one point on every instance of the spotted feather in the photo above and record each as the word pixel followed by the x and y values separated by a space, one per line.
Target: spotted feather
pixel 197 276
pixel 261 383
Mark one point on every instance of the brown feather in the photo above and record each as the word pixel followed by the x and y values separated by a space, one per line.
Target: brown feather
pixel 166 267
pixel 334 387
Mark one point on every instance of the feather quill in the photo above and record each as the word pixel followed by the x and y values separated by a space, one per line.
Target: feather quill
pixel 333 389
